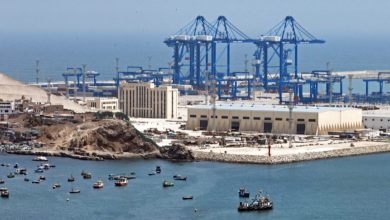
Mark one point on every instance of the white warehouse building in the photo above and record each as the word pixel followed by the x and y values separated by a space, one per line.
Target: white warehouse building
pixel 380 122
pixel 308 120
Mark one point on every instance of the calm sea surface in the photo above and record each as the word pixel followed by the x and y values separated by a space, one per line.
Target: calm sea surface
pixel 59 51
pixel 343 188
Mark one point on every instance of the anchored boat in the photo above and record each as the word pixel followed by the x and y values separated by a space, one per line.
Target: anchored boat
pixel 40 159
pixel 158 169
pixel 242 193
pixel 98 184
pixel 74 191
pixel 4 192
pixel 179 177
pixel 165 183
pixel 71 179
pixel 259 203
pixel 121 182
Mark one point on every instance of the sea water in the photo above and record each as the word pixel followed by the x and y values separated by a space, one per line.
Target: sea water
pixel 341 188
pixel 59 51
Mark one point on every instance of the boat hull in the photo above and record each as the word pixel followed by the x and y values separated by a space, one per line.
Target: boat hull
pixel 97 187
pixel 120 184
pixel 255 208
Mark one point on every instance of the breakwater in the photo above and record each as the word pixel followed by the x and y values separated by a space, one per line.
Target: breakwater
pixel 291 158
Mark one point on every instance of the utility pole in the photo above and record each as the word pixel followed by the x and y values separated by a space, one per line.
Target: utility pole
pixel 327 65
pixel 43 75
pixel 213 98
pixel 75 84
pixel 84 74
pixel 290 120
pixel 48 89
pixel 37 69
pixel 117 74
pixel 206 86
pixel 330 87
pixel 67 84
pixel 170 72
pixel 350 88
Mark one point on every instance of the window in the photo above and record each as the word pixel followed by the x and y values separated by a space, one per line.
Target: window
pixel 213 116
pixel 235 117
pixel 373 119
pixel 312 120
pixel 381 119
pixel 256 118
pixel 278 119
pixel 301 119
pixel 246 118
pixel 267 118
pixel 365 119
pixel 225 117
pixel 203 116
pixel 192 116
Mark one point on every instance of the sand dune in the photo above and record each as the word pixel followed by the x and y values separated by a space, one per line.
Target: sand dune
pixel 11 89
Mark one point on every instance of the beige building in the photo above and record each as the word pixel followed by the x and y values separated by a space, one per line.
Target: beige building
pixel 144 100
pixel 275 118
pixel 107 104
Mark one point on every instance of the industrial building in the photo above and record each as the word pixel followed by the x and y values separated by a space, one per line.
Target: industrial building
pixel 110 104
pixel 144 100
pixel 308 120
pixel 380 122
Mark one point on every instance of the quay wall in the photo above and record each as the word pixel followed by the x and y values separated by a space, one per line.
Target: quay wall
pixel 291 158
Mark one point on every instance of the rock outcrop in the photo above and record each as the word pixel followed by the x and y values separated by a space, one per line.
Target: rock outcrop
pixel 176 151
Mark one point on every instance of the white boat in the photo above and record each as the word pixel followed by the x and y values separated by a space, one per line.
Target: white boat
pixel 121 182
pixel 40 159
pixel 98 184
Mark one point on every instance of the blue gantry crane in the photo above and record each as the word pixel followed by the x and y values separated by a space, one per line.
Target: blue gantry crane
pixel 277 51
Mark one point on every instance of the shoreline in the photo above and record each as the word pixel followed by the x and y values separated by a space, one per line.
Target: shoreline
pixel 221 157
pixel 291 158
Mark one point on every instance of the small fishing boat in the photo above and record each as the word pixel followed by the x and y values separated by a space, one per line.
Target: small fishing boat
pixel 158 169
pixel 82 173
pixel 40 159
pixel 57 184
pixel 133 173
pixel 131 177
pixel 87 176
pixel 46 166
pixel 165 183
pixel 71 179
pixel 179 177
pixel 75 191
pixel 10 175
pixel 42 178
pixel 259 203
pixel 22 171
pixel 5 193
pixel 52 165
pixel 152 174
pixel 25 179
pixel 111 176
pixel 2 164
pixel 189 197
pixel 121 182
pixel 36 181
pixel 39 170
pixel 2 181
pixel 242 193
pixel 8 165
pixel 98 184
pixel 16 165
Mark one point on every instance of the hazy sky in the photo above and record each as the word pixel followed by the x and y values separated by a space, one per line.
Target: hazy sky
pixel 157 16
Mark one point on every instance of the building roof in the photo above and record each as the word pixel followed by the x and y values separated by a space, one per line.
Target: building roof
pixel 274 108
pixel 376 115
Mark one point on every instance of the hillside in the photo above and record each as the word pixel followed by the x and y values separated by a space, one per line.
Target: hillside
pixel 11 89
